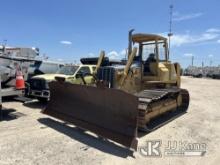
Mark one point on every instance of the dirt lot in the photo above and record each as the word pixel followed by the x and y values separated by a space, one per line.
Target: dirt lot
pixel 29 137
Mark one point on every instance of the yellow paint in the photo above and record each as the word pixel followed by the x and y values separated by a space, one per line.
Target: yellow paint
pixel 68 78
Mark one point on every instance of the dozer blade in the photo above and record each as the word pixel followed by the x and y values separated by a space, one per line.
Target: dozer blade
pixel 109 113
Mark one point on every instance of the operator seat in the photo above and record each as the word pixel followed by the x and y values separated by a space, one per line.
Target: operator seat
pixel 151 59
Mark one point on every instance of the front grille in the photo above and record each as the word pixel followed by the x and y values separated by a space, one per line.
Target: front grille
pixel 37 93
pixel 106 74
pixel 38 84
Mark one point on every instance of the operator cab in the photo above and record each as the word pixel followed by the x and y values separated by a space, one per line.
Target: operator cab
pixel 152 50
pixel 153 57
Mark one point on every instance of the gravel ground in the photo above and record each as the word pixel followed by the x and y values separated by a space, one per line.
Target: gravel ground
pixel 29 137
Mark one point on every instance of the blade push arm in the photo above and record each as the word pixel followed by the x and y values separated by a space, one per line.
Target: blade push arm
pixel 101 57
pixel 128 65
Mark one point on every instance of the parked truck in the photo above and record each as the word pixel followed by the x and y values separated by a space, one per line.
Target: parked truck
pixel 25 60
pixel 72 73
pixel 13 59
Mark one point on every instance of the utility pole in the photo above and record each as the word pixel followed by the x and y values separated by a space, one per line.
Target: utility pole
pixel 4 45
pixel 170 34
pixel 211 58
pixel 192 60
pixel 210 62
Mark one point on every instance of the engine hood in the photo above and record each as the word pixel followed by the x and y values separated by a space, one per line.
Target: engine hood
pixel 49 77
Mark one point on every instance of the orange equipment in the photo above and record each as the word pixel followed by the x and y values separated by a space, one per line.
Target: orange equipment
pixel 20 84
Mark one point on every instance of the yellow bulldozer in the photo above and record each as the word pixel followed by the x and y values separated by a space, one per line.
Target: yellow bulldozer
pixel 127 96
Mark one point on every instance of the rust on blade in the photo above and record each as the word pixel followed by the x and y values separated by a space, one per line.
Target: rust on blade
pixel 110 113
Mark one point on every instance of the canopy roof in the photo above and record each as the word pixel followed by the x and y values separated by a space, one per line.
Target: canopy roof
pixel 140 37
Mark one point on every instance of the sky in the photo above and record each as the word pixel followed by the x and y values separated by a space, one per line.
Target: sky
pixel 67 30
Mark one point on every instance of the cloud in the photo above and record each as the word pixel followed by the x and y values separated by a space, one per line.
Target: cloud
pixel 188 55
pixel 210 55
pixel 178 17
pixel 218 41
pixel 113 55
pixel 91 55
pixel 213 30
pixel 66 42
pixel 123 52
pixel 117 55
pixel 187 38
pixel 60 59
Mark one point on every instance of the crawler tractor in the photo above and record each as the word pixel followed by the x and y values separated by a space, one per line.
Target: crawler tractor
pixel 127 96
